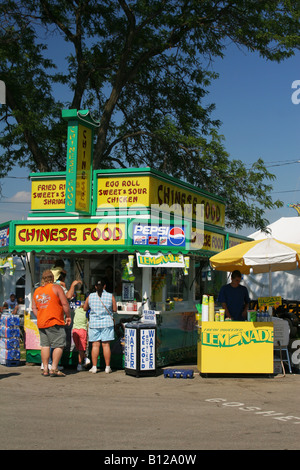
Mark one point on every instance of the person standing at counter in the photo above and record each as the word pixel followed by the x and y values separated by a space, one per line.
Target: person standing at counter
pixel 49 304
pixel 234 298
pixel 57 268
pixel 79 332
pixel 102 304
pixel 61 281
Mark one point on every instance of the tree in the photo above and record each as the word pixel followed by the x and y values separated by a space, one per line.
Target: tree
pixel 140 67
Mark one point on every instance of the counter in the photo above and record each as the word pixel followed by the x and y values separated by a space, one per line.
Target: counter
pixel 235 347
pixel 176 338
pixel 176 335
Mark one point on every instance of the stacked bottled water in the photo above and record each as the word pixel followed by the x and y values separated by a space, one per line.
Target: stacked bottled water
pixel 9 339
pixel 263 316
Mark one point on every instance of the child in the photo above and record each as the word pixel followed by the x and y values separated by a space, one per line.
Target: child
pixel 80 335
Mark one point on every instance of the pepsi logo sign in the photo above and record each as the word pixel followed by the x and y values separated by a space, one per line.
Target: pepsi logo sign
pixel 176 236
pixel 158 235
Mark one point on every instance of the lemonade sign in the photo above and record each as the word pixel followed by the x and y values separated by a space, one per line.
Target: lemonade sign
pixel 235 337
pixel 269 301
pixel 235 347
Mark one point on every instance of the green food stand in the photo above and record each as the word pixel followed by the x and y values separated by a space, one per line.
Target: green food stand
pixel 152 234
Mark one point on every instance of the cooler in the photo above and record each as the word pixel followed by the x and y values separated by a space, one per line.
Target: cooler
pixel 140 349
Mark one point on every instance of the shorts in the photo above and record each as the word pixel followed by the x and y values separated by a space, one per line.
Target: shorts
pixel 80 338
pixel 102 334
pixel 54 336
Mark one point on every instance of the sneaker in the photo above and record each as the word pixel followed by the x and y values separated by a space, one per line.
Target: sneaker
pixel 93 370
pixel 86 362
pixel 108 370
pixel 79 367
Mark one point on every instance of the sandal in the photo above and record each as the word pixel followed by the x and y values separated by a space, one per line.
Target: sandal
pixel 45 374
pixel 57 373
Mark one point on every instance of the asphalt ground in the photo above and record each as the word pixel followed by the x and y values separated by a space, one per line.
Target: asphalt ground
pixel 119 414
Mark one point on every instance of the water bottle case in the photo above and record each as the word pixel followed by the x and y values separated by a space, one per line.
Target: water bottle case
pixel 9 343
pixel 10 320
pixel 9 355
pixel 9 340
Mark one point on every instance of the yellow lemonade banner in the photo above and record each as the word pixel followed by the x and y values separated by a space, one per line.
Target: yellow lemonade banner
pixel 269 301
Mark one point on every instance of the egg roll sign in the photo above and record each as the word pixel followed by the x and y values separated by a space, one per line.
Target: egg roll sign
pixel 74 234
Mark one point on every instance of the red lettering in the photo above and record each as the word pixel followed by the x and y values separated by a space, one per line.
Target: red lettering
pixel 21 236
pixel 96 234
pixel 53 234
pixel 72 235
pixel 63 234
pixel 86 233
pixel 207 210
pixel 44 234
pixel 117 233
pixel 106 234
pixel 31 234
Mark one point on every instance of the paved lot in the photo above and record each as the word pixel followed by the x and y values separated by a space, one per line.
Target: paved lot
pixel 120 412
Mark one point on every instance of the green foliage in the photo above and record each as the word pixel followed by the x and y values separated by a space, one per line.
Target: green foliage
pixel 140 66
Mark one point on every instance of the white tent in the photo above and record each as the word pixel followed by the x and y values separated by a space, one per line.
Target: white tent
pixel 284 284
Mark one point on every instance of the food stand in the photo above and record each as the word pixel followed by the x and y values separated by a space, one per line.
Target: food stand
pixel 151 234
pixel 249 346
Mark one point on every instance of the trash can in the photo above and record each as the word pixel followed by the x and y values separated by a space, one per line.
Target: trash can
pixel 140 349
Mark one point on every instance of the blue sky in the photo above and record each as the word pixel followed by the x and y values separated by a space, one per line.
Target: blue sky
pixel 253 100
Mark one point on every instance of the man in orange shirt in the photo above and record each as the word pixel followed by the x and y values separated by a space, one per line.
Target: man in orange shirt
pixel 49 306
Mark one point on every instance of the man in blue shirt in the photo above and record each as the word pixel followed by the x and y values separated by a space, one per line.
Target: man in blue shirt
pixel 12 301
pixel 235 298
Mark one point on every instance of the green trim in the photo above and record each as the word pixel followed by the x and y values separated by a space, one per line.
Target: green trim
pixel 240 237
pixel 46 175
pixel 82 116
pixel 47 214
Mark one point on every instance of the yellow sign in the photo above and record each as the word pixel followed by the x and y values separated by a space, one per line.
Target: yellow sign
pixel 83 173
pixel 204 240
pixel 167 261
pixel 189 203
pixel 128 191
pixel 71 234
pixel 48 194
pixel 269 301
pixel 235 347
pixel 232 241
pixel 123 192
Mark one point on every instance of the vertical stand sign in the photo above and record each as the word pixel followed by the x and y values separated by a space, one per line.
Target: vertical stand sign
pixel 79 160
